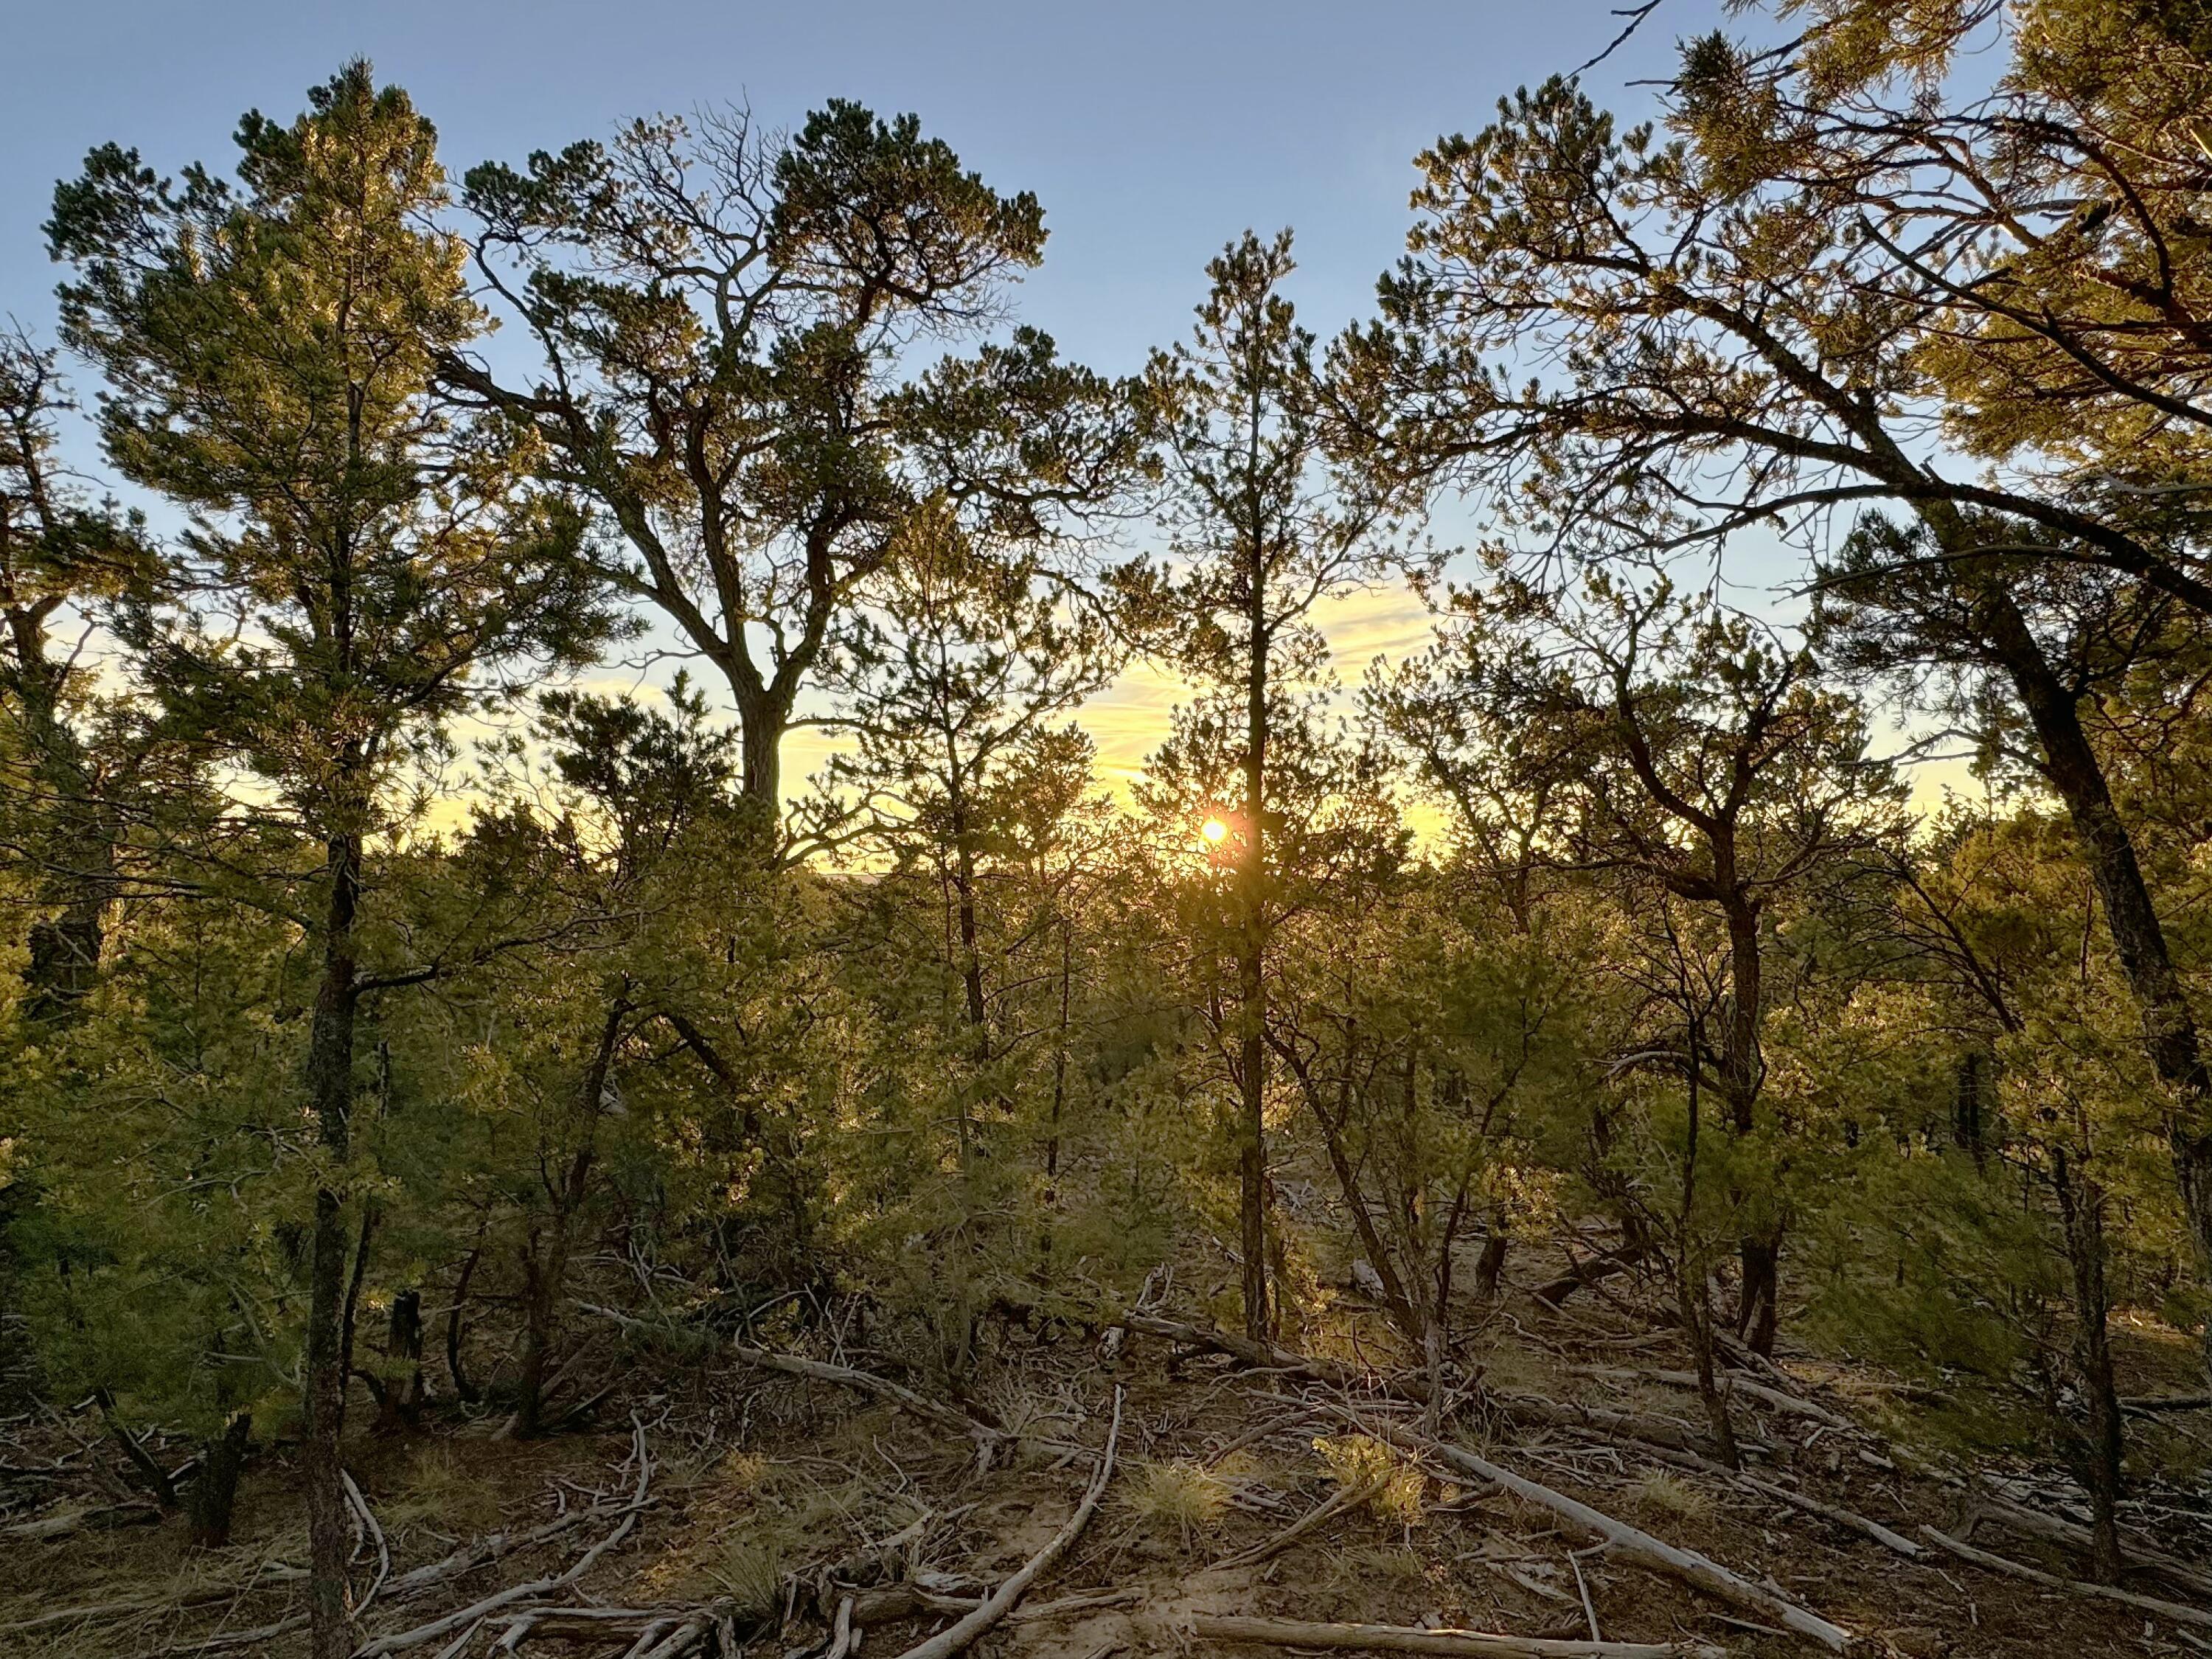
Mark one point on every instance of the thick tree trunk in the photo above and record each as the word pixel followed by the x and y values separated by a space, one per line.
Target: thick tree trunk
pixel 544 1265
pixel 211 1499
pixel 1757 1307
pixel 763 719
pixel 1691 1297
pixel 1742 1074
pixel 329 1092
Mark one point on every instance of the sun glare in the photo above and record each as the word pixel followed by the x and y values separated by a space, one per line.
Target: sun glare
pixel 1214 831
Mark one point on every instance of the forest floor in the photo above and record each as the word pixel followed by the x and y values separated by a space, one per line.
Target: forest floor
pixel 709 1502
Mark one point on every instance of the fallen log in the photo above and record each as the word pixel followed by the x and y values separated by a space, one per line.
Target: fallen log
pixel 819 1370
pixel 2016 1518
pixel 67 1523
pixel 2150 1404
pixel 2172 1611
pixel 848 1376
pixel 1843 1518
pixel 1583 1274
pixel 959 1636
pixel 1630 1544
pixel 1260 1355
pixel 1401 1638
pixel 1534 1411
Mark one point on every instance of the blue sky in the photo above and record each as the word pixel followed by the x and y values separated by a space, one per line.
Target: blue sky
pixel 1151 132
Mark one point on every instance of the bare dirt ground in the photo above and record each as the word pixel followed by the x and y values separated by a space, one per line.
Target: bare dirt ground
pixel 713 1504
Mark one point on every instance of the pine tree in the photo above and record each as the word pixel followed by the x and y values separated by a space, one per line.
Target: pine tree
pixel 360 567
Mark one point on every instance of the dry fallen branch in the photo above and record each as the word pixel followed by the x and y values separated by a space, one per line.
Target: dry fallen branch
pixel 1843 1518
pixel 958 1637
pixel 1631 1545
pixel 1533 1411
pixel 882 1387
pixel 1993 1505
pixel 370 1531
pixel 1398 1639
pixel 274 1572
pixel 1345 1498
pixel 67 1523
pixel 2151 1604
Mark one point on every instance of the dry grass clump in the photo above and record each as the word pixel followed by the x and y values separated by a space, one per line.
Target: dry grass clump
pixel 1394 1483
pixel 1664 1495
pixel 748 1568
pixel 1178 1500
pixel 439 1490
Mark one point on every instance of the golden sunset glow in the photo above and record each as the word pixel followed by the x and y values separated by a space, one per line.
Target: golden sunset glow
pixel 1214 831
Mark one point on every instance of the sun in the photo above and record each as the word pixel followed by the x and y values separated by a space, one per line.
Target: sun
pixel 1214 831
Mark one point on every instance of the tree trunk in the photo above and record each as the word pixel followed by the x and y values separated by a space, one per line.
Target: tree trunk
pixel 464 1390
pixel 403 1354
pixel 1757 1307
pixel 2170 1033
pixel 544 1266
pixel 1251 964
pixel 1742 1074
pixel 2081 1209
pixel 761 721
pixel 1969 1108
pixel 329 1092
pixel 212 1499
pixel 1491 1265
pixel 975 1009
